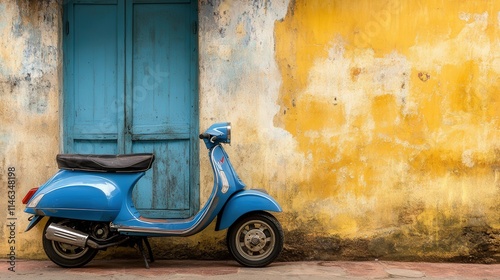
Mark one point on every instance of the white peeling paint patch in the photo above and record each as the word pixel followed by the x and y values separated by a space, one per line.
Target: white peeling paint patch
pixel 468 17
pixel 29 49
pixel 472 43
pixel 3 22
pixel 240 82
pixel 237 63
pixel 237 43
pixel 467 158
pixel 464 16
pixel 5 138
pixel 354 81
pixel 5 52
pixel 237 51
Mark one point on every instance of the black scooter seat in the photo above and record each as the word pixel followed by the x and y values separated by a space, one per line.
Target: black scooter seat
pixel 105 163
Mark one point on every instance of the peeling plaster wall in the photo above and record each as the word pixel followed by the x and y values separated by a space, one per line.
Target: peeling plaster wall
pixel 30 82
pixel 240 82
pixel 394 106
pixel 375 124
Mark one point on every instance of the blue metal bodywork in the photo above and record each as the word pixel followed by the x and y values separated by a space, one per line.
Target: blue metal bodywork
pixel 107 197
pixel 244 202
pixel 82 195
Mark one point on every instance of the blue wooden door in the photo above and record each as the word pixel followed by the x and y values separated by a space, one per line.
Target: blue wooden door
pixel 130 86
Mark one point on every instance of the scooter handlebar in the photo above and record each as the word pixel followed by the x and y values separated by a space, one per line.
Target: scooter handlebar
pixel 204 136
pixel 208 136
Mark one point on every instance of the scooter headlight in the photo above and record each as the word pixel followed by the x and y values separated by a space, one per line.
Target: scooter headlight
pixel 228 127
pixel 225 131
pixel 219 132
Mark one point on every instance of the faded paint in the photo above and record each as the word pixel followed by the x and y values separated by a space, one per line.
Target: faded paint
pixel 374 123
pixel 395 106
pixel 367 152
pixel 30 82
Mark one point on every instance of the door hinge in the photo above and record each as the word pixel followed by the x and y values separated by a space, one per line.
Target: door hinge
pixel 67 27
pixel 195 27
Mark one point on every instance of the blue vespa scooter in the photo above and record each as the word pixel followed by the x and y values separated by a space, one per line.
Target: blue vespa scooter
pixel 90 208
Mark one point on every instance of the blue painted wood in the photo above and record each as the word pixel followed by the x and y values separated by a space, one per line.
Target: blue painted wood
pixel 131 86
pixel 92 90
pixel 161 102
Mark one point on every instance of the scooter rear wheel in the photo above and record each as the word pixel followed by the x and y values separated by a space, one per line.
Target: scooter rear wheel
pixel 255 240
pixel 63 254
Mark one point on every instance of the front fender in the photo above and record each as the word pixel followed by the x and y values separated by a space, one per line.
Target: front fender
pixel 243 202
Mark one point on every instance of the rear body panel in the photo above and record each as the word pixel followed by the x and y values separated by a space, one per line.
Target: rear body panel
pixel 82 195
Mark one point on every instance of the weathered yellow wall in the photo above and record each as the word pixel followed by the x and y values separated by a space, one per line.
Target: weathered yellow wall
pixel 374 123
pixel 395 106
pixel 381 138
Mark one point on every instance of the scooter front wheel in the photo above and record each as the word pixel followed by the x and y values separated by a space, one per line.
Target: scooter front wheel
pixel 63 254
pixel 255 240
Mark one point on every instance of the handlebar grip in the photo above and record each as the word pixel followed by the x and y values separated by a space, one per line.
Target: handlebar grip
pixel 204 136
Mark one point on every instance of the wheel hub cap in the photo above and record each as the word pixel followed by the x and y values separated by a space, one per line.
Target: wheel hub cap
pixel 255 240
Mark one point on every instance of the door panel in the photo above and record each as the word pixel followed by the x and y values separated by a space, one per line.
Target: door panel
pixel 92 88
pixel 95 146
pixel 156 193
pixel 161 76
pixel 161 108
pixel 131 87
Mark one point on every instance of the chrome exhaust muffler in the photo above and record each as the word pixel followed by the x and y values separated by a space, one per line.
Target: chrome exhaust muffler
pixel 75 237
pixel 66 235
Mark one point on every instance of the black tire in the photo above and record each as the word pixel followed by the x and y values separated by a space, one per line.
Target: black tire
pixel 255 240
pixel 63 254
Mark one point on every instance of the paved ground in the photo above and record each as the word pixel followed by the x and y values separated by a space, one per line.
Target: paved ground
pixel 186 269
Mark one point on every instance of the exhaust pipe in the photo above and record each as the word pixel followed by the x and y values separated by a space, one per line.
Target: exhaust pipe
pixel 77 238
pixel 66 235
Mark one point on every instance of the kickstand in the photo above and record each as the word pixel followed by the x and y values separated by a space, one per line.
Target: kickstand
pixel 146 241
pixel 143 253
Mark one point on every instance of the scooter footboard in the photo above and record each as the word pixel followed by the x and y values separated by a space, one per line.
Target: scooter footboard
pixel 245 202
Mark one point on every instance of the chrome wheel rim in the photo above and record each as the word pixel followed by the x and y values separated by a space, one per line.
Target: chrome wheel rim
pixel 68 251
pixel 255 240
